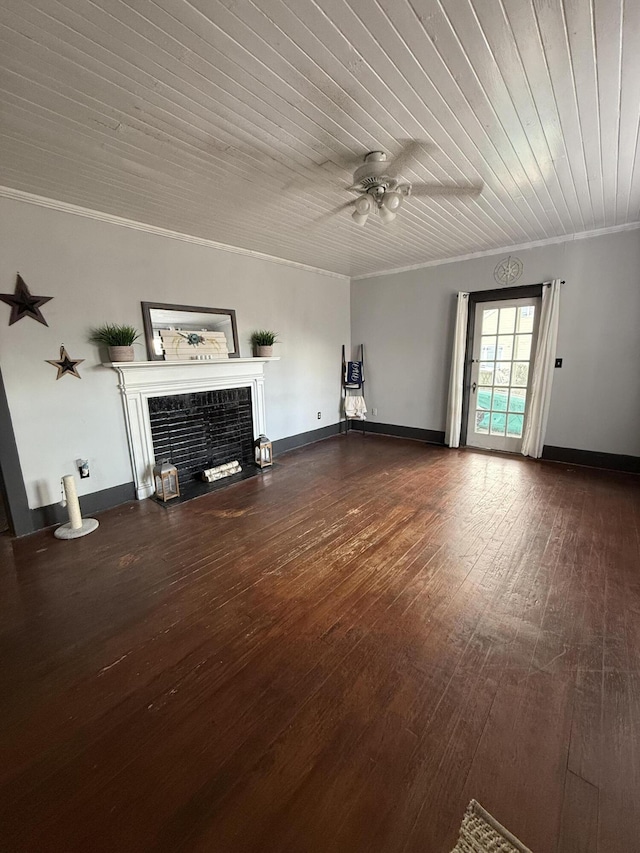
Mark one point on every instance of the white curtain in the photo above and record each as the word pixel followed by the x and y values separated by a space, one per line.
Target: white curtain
pixel 540 393
pixel 454 407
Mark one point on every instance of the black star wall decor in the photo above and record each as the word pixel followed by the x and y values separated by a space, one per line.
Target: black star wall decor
pixel 65 364
pixel 24 304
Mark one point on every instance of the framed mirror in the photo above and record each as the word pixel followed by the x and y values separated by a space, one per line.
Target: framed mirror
pixel 177 332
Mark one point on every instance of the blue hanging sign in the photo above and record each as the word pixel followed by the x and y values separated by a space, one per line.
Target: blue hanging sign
pixel 354 374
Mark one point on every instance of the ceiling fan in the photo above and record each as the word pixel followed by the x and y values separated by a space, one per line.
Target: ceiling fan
pixel 382 190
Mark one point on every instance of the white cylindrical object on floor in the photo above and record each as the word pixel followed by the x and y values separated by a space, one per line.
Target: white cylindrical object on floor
pixel 73 504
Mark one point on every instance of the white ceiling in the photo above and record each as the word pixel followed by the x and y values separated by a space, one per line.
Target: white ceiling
pixel 241 122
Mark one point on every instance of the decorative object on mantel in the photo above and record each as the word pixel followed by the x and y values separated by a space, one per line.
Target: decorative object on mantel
pixel 263 341
pixel 508 270
pixel 118 338
pixel 165 476
pixel 187 319
pixel 221 471
pixel 263 451
pixel 77 526
pixel 193 345
pixel 65 364
pixel 24 304
pixel 480 832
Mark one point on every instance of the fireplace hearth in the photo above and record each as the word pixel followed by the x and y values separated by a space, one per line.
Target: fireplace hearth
pixel 196 488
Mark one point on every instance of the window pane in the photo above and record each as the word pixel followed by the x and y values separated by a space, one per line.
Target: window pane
pixel 500 396
pixel 485 374
pixel 483 400
pixel 523 347
pixel 497 423
pixel 482 423
pixel 505 347
pixel 514 425
pixel 490 321
pixel 517 399
pixel 503 373
pixel 487 348
pixel 526 315
pixel 520 373
pixel 507 321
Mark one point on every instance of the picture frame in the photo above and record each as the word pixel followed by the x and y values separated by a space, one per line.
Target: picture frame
pixel 157 316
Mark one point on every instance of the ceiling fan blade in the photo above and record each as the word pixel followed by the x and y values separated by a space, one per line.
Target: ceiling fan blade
pixel 329 171
pixel 331 213
pixel 429 190
pixel 342 162
pixel 412 150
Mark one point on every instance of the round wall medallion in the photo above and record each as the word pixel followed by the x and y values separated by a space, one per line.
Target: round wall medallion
pixel 508 270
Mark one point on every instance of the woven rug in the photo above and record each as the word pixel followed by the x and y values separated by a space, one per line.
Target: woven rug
pixel 481 833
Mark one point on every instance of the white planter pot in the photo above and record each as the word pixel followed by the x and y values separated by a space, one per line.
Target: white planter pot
pixel 264 352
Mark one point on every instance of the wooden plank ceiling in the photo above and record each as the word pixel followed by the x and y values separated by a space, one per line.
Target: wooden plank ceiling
pixel 242 122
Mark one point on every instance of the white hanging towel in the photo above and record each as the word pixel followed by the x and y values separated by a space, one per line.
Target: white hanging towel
pixel 355 407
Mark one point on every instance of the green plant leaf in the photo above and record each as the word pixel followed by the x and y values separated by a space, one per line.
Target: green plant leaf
pixel 114 335
pixel 264 338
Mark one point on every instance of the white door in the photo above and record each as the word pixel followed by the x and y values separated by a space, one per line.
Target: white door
pixel 504 343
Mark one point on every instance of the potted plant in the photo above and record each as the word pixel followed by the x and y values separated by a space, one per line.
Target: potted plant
pixel 118 338
pixel 263 341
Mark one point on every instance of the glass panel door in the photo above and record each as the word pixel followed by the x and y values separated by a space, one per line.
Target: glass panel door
pixel 503 350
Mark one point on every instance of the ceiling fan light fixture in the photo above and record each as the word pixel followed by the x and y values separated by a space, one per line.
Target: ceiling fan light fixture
pixel 386 215
pixel 364 205
pixel 392 201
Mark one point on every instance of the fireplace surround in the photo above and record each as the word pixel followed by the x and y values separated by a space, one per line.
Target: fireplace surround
pixel 145 381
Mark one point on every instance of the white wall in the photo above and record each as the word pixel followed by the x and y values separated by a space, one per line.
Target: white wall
pixel 406 323
pixel 100 272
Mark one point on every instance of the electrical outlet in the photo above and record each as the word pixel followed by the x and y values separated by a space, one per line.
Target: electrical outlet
pixel 374 412
pixel 319 415
pixel 83 468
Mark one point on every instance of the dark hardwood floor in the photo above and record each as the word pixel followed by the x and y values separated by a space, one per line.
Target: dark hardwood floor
pixel 336 656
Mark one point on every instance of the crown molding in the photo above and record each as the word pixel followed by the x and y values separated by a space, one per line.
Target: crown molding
pixel 567 238
pixel 88 213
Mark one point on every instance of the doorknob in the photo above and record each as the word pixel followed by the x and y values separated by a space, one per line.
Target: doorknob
pixel 473 388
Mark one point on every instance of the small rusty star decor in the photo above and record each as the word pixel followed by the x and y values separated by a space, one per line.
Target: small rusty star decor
pixel 65 364
pixel 24 304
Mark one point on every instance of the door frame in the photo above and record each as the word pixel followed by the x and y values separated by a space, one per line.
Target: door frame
pixel 11 479
pixel 526 291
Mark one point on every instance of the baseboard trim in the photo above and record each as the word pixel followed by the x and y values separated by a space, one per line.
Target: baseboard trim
pixel 47 516
pixel 281 445
pixel 592 459
pixel 431 436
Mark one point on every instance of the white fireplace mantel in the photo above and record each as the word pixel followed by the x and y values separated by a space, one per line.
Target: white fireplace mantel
pixel 140 380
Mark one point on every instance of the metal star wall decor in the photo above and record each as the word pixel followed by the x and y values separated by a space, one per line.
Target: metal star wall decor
pixel 65 364
pixel 24 304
